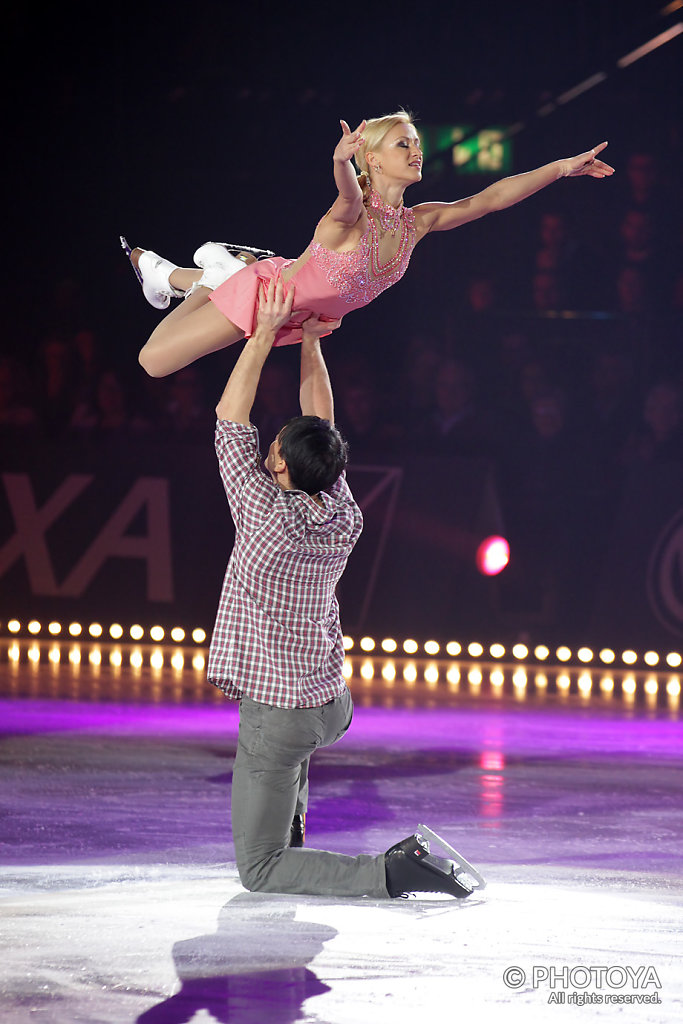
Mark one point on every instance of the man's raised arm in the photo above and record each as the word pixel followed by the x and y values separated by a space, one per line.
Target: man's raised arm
pixel 274 310
pixel 315 391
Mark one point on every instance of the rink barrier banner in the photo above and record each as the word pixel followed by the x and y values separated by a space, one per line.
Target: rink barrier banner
pixel 641 590
pixel 130 532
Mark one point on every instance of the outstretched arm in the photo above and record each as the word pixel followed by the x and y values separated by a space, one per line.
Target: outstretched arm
pixel 508 191
pixel 274 310
pixel 315 391
pixel 348 205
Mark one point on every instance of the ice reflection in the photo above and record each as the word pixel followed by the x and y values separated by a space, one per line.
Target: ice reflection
pixel 253 968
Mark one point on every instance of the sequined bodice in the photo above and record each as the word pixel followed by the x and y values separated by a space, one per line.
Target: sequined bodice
pixel 358 276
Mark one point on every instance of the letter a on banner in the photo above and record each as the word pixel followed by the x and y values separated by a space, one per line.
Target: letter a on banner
pixel 154 547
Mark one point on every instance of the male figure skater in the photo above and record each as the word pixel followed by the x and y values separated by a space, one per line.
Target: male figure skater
pixel 277 643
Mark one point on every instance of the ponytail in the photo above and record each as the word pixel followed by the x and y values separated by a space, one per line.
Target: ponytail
pixel 365 185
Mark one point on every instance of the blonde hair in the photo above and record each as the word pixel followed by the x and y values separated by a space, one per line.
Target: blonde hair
pixel 376 130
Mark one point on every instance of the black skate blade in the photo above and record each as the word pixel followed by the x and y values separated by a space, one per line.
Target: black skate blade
pixel 127 249
pixel 466 875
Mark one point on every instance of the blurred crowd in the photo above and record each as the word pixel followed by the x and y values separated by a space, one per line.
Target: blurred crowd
pixel 564 370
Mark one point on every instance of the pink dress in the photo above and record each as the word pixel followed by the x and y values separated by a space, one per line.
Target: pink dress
pixel 329 284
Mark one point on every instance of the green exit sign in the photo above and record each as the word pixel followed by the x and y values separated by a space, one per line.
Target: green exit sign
pixel 469 151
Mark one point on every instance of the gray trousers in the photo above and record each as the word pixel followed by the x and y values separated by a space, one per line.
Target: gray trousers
pixel 270 786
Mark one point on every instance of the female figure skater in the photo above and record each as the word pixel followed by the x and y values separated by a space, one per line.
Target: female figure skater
pixel 360 247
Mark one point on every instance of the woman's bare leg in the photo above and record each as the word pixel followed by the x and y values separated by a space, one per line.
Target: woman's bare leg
pixel 192 330
pixel 184 277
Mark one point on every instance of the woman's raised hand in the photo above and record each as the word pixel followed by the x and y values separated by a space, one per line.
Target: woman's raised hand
pixel 587 163
pixel 350 142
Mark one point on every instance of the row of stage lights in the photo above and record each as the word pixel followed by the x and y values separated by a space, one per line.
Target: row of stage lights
pixel 519 651
pixel 114 657
pixel 453 649
pixel 96 631
pixel 520 679
pixel 389 672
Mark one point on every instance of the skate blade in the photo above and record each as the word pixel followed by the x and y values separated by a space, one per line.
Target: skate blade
pixel 465 873
pixel 260 253
pixel 127 249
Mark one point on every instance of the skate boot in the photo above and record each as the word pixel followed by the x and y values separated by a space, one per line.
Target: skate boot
pixel 411 867
pixel 218 264
pixel 219 261
pixel 298 831
pixel 153 273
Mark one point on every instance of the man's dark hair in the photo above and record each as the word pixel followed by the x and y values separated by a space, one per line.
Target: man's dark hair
pixel 314 451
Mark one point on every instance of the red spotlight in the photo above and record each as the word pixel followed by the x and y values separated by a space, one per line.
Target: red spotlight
pixel 493 554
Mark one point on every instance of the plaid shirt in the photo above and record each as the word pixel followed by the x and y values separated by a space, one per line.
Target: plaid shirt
pixel 277 636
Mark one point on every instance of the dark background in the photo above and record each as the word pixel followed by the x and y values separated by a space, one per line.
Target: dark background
pixel 176 124
pixel 171 124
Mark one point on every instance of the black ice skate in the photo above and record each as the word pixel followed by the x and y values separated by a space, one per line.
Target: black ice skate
pixel 411 867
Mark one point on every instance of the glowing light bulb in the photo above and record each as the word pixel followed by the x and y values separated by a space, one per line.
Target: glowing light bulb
pixel 585 683
pixel 410 672
pixel 493 555
pixel 431 674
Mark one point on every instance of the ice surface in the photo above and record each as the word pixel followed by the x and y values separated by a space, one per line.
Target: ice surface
pixel 119 898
